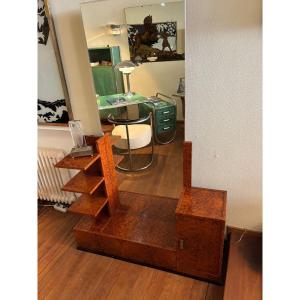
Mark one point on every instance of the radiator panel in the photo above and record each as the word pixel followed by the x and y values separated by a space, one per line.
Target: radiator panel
pixel 51 179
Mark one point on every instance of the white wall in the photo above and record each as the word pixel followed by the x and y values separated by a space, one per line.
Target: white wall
pixel 148 78
pixel 223 103
pixel 51 137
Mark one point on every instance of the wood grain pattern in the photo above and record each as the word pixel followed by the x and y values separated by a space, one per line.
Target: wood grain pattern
pixel 82 183
pixel 200 225
pixel 79 163
pixel 202 253
pixel 187 164
pixel 66 273
pixel 146 229
pixel 244 271
pixel 88 205
pixel 108 170
pixel 142 230
pixel 204 203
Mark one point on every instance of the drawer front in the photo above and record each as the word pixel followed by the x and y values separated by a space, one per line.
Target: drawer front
pixel 166 120
pixel 165 127
pixel 165 112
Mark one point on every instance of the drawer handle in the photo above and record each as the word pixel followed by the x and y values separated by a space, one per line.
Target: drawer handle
pixel 166 112
pixel 181 244
pixel 166 120
pixel 165 128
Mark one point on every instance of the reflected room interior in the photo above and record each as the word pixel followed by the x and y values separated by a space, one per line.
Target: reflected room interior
pixel 137 64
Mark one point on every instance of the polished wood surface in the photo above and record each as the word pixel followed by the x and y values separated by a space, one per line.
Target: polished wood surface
pixel 142 229
pixel 145 228
pixel 244 271
pixel 104 147
pixel 79 163
pixel 88 205
pixel 205 203
pixel 187 164
pixel 66 273
pixel 144 219
pixel 97 178
pixel 202 251
pixel 200 226
pixel 82 183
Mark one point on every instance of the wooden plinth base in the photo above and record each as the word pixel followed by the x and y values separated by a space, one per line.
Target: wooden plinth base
pixel 143 229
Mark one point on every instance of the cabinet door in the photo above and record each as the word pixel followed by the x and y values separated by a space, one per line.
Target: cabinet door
pixel 200 246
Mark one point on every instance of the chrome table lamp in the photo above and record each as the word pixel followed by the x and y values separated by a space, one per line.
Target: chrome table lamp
pixel 126 67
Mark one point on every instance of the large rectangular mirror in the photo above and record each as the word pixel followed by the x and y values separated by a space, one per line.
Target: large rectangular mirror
pixel 136 51
pixel 151 35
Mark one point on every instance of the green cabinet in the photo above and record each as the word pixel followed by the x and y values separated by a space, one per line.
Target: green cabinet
pixel 164 115
pixel 107 80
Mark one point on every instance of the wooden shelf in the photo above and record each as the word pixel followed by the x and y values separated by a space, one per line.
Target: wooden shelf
pixel 82 183
pixel 78 163
pixel 88 205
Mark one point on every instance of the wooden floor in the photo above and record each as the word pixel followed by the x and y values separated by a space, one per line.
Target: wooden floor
pixel 67 273
pixel 164 177
pixel 244 271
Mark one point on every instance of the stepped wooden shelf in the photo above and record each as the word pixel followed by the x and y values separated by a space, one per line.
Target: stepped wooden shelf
pixel 83 183
pixel 80 163
pixel 88 205
pixel 183 235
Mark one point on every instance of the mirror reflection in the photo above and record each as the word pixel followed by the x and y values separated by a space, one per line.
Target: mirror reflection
pixel 137 56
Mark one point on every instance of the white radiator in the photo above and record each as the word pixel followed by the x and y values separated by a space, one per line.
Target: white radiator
pixel 50 179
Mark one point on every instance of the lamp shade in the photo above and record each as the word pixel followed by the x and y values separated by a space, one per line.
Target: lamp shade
pixel 126 66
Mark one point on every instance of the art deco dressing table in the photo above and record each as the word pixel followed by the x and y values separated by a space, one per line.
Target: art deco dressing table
pixel 183 235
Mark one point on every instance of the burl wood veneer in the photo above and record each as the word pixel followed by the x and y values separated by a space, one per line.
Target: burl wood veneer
pixel 185 236
pixel 200 225
pixel 142 229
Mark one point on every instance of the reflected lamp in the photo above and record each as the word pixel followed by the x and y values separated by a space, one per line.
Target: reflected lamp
pixel 126 67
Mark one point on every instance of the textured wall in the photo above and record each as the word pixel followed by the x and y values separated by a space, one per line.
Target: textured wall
pixel 223 103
